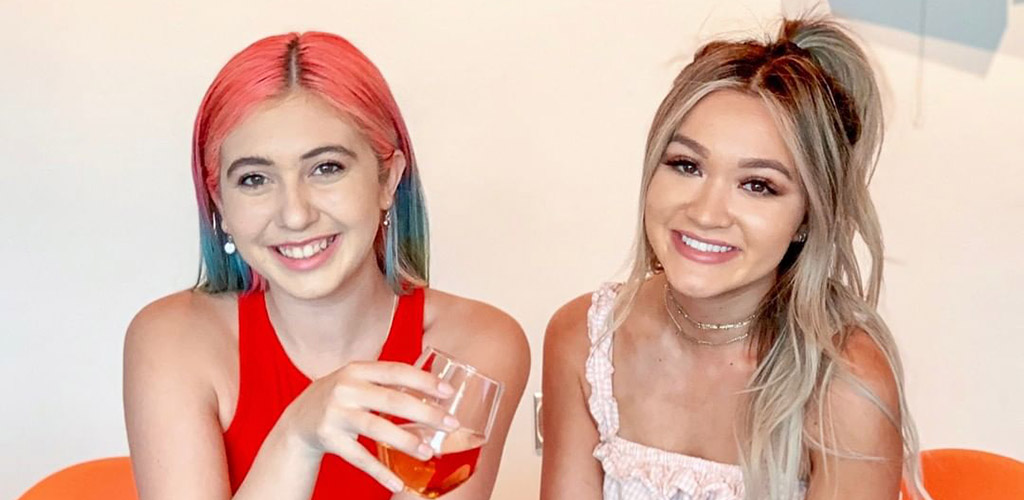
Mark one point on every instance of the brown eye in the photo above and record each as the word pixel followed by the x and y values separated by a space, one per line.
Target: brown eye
pixel 328 168
pixel 759 187
pixel 684 166
pixel 252 180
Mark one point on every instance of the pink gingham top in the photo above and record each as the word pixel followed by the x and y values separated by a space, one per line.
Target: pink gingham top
pixel 633 471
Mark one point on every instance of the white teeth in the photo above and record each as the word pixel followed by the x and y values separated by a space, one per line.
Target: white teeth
pixel 305 251
pixel 705 247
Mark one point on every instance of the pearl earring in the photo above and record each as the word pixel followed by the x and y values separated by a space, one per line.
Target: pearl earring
pixel 229 246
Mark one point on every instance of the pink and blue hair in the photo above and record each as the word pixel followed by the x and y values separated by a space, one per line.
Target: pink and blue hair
pixel 332 68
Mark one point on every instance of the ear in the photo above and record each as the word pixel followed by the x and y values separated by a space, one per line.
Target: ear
pixel 394 168
pixel 218 212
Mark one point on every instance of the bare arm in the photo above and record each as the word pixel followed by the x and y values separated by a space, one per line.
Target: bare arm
pixel 569 469
pixel 171 411
pixel 492 341
pixel 862 428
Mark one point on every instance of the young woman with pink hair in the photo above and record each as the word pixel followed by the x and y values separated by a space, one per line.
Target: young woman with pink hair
pixel 280 372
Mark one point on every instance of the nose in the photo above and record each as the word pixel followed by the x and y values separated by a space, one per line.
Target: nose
pixel 296 211
pixel 710 206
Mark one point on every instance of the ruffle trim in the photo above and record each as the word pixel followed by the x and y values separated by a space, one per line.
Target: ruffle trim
pixel 668 473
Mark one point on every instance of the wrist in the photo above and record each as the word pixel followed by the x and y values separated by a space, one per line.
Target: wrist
pixel 292 441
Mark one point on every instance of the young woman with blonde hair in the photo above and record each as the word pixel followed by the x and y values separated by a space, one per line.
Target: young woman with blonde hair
pixel 749 358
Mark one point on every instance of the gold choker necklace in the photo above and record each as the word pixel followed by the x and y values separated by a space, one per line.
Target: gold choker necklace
pixel 703 326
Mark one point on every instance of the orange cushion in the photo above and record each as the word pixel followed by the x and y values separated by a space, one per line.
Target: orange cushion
pixel 104 479
pixel 955 474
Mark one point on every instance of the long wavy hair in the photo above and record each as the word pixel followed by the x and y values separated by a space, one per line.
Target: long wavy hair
pixel 822 93
pixel 332 68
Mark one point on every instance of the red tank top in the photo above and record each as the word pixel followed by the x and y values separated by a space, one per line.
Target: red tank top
pixel 268 382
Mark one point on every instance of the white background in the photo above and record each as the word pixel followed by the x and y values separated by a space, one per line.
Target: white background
pixel 529 119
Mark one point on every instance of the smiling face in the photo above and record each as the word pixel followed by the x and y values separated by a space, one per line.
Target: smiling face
pixel 301 193
pixel 726 201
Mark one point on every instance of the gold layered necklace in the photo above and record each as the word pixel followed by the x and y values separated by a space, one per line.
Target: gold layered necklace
pixel 669 297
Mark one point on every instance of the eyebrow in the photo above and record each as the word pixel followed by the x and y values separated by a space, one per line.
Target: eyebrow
pixel 260 161
pixel 246 161
pixel 765 163
pixel 333 148
pixel 752 163
pixel 690 143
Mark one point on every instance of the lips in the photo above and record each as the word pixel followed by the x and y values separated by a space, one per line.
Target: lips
pixel 307 255
pixel 703 245
pixel 306 249
pixel 703 250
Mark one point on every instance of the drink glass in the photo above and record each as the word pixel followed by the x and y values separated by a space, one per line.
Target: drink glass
pixel 474 404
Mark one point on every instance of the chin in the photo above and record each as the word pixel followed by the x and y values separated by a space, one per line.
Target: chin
pixel 696 283
pixel 305 288
pixel 310 285
pixel 698 291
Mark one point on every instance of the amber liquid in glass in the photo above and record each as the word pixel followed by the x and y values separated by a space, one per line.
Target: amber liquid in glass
pixel 440 474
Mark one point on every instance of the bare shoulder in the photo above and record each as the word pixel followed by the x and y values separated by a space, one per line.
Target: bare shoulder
pixel 188 307
pixel 868 364
pixel 476 330
pixel 183 319
pixel 566 338
pixel 862 404
pixel 185 334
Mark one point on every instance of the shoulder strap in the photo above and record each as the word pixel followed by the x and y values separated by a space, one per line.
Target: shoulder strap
pixel 405 340
pixel 599 368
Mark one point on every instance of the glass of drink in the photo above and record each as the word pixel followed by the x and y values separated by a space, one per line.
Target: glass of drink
pixel 474 404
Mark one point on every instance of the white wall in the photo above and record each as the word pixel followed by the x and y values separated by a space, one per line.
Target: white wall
pixel 529 120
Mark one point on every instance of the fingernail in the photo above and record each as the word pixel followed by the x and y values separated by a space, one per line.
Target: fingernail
pixel 395 485
pixel 451 422
pixel 445 389
pixel 425 451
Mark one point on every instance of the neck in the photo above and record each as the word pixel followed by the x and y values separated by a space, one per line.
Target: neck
pixel 730 308
pixel 357 313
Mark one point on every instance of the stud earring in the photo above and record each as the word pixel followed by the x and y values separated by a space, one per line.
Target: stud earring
pixel 655 265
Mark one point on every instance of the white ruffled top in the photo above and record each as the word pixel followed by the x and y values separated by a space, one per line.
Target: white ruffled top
pixel 633 471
